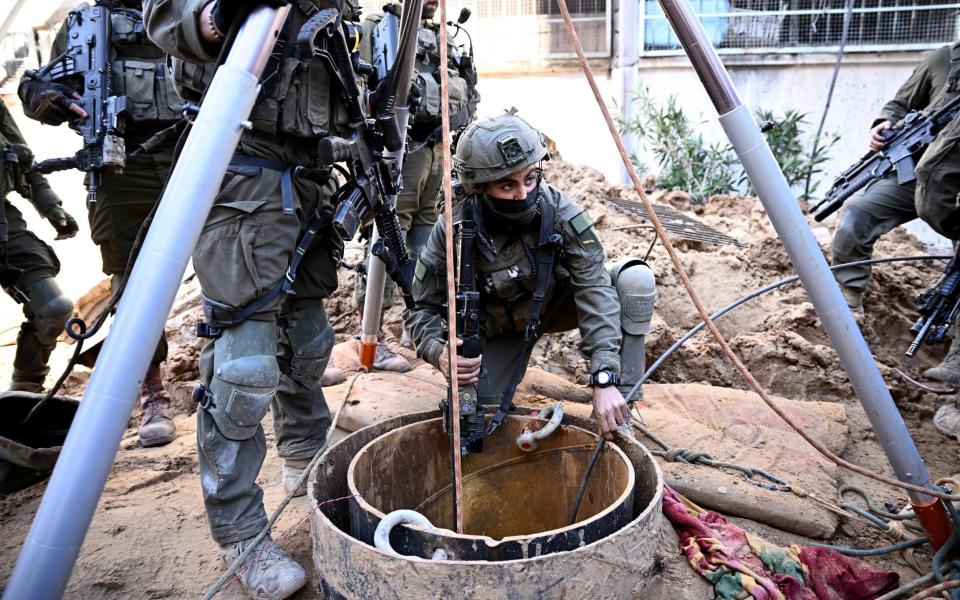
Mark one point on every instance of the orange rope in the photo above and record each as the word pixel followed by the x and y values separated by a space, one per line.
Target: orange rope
pixel 695 298
pixel 451 284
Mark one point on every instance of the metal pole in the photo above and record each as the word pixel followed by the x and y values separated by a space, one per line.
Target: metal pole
pixel 50 551
pixel 803 250
pixel 628 51
pixel 11 16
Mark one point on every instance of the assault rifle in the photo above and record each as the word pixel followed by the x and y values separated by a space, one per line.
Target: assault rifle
pixel 903 145
pixel 370 151
pixel 938 308
pixel 472 425
pixel 85 66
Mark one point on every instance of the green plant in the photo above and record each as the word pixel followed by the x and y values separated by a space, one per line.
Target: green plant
pixel 686 161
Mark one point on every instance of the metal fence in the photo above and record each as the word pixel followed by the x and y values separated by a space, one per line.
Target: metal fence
pixel 740 26
pixel 528 32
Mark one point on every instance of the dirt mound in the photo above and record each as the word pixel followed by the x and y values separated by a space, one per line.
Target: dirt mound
pixel 777 335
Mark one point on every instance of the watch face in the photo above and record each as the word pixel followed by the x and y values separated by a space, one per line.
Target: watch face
pixel 603 377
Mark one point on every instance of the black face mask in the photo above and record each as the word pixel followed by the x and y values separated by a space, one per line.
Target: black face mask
pixel 509 215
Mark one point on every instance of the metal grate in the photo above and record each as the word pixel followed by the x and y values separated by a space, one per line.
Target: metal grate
pixel 679 224
pixel 810 25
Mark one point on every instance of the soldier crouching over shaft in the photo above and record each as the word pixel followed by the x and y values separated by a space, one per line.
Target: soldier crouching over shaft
pixel 266 349
pixel 526 228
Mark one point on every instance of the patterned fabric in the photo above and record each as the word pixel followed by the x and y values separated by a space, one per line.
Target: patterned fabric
pixel 741 565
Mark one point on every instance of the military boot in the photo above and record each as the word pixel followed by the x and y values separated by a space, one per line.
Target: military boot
pixel 385 359
pixel 156 422
pixel 20 385
pixel 949 368
pixel 269 573
pixel 854 299
pixel 293 468
pixel 947 420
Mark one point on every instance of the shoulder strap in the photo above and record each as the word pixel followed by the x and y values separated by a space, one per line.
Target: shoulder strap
pixel 548 247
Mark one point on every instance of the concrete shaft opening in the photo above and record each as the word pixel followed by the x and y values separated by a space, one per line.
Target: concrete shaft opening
pixel 518 538
pixel 518 503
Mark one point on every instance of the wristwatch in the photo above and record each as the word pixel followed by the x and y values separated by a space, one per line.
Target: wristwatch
pixel 604 378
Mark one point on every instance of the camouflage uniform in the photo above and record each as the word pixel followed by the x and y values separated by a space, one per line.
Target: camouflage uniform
pixel 885 204
pixel 45 307
pixel 125 198
pixel 274 357
pixel 580 292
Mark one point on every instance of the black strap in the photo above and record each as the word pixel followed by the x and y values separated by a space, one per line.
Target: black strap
pixel 219 315
pixel 548 247
pixel 285 170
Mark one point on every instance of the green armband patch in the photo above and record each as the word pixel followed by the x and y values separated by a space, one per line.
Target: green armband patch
pixel 420 270
pixel 581 222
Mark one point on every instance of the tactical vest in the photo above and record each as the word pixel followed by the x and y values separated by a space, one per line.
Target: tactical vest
pixel 297 98
pixel 140 73
pixel 953 79
pixel 15 162
pixel 506 268
pixel 427 77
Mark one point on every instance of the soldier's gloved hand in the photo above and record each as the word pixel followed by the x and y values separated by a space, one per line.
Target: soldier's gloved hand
pixel 225 12
pixel 61 220
pixel 50 103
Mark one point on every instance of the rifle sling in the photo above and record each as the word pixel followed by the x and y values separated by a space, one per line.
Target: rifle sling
pixel 548 246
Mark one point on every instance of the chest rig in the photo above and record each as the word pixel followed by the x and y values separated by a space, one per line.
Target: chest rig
pixel 139 72
pixel 541 262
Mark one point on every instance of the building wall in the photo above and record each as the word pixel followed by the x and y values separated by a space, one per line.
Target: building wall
pixel 563 106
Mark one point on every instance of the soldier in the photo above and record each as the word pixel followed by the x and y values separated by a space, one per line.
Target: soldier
pixel 423 162
pixel 266 350
pixel 527 227
pixel 28 266
pixel 885 204
pixel 125 198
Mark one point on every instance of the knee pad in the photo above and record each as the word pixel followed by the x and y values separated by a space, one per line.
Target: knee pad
pixel 245 378
pixel 637 291
pixel 50 307
pixel 311 341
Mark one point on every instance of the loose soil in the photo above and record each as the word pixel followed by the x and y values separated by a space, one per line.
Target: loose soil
pixel 149 536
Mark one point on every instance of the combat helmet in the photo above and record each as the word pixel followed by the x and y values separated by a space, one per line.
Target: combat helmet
pixel 495 147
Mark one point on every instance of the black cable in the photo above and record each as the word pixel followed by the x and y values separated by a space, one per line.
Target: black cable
pixel 676 345
pixel 586 478
pixel 911 543
pixel 847 17
pixel 75 327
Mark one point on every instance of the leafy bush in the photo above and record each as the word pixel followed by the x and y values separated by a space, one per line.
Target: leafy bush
pixel 687 162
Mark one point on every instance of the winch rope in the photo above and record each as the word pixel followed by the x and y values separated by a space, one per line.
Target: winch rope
pixel 694 296
pixel 454 399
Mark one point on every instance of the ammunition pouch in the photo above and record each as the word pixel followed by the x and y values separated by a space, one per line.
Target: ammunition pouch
pixel 15 162
pixel 140 72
